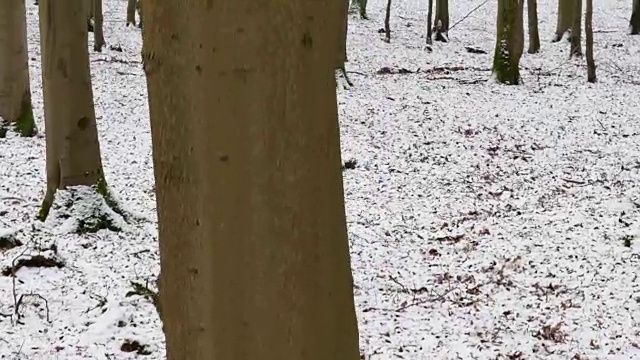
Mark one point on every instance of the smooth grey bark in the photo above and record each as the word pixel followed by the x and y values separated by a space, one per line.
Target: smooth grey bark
pixel 15 90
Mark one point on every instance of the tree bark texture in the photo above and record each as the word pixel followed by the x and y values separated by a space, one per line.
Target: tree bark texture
pixel 441 22
pixel 534 36
pixel 252 231
pixel 634 23
pixel 566 9
pixel 15 91
pixel 588 29
pixel 98 32
pixel 510 42
pixel 131 12
pixel 576 30
pixel 73 151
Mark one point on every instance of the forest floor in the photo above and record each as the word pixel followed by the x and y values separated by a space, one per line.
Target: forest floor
pixel 485 221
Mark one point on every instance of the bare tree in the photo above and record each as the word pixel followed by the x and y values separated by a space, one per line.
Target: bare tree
pixel 73 150
pixel 131 12
pixel 634 23
pixel 534 36
pixel 361 6
pixel 588 29
pixel 566 10
pixel 98 32
pixel 429 19
pixel 509 43
pixel 387 25
pixel 237 125
pixel 441 22
pixel 15 91
pixel 576 30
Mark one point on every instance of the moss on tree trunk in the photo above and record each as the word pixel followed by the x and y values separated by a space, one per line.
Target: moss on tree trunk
pixel 510 42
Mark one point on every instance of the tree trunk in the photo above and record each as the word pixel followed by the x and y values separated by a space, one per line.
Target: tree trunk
pixel 634 23
pixel 576 30
pixel 429 20
pixel 534 36
pixel 252 231
pixel 98 34
pixel 342 35
pixel 566 9
pixel 131 12
pixel 88 9
pixel 387 24
pixel 140 17
pixel 15 91
pixel 510 42
pixel 73 151
pixel 588 29
pixel 441 22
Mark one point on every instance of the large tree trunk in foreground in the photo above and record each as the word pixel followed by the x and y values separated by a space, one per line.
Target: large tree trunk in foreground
pixel 588 29
pixel 441 22
pixel 73 151
pixel 534 36
pixel 634 23
pixel 252 231
pixel 510 42
pixel 576 30
pixel 15 91
pixel 131 12
pixel 566 10
pixel 98 33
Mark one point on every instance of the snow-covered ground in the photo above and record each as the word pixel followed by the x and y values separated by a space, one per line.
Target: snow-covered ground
pixel 486 222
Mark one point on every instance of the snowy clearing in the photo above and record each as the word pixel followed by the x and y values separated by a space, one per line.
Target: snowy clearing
pixel 486 221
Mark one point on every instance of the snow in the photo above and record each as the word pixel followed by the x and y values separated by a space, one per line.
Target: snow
pixel 486 221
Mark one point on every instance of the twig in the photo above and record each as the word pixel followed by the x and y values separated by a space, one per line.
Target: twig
pixel 46 303
pixel 466 16
pixel 579 182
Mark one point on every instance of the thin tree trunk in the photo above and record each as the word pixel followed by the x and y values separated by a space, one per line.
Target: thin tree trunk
pixel 441 22
pixel 387 25
pixel 131 12
pixel 140 17
pixel 252 231
pixel 510 42
pixel 73 151
pixel 429 26
pixel 15 91
pixel 588 29
pixel 634 23
pixel 98 33
pixel 576 30
pixel 534 36
pixel 88 8
pixel 342 35
pixel 566 10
